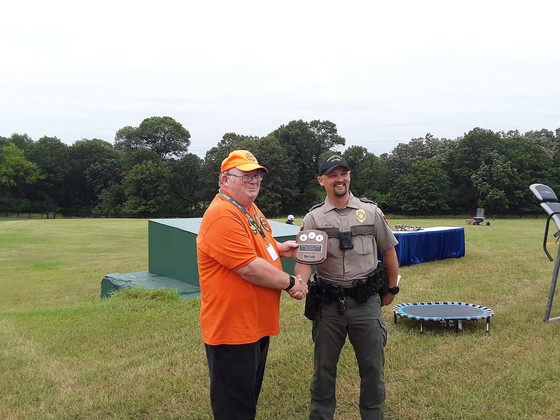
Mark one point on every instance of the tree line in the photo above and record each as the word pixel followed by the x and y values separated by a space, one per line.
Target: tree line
pixel 148 172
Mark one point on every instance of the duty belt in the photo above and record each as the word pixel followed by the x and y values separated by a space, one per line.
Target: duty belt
pixel 353 292
pixel 361 291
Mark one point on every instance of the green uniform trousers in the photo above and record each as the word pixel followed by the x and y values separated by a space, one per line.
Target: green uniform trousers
pixel 364 325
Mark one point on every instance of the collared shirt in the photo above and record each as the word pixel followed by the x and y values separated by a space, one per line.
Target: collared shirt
pixel 232 309
pixel 370 234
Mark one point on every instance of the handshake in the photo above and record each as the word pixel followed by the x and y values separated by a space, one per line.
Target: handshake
pixel 299 289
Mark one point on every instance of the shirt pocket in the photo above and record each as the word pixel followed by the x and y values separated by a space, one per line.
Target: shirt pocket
pixel 363 244
pixel 363 236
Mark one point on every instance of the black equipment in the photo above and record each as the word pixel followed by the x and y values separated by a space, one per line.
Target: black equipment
pixel 345 240
pixel 321 291
pixel 550 204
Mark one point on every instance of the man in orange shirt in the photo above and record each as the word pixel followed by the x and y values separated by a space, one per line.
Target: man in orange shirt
pixel 241 280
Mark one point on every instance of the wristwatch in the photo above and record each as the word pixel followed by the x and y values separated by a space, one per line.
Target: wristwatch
pixel 292 283
pixel 393 290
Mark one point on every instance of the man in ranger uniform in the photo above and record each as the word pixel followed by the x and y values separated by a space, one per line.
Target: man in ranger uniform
pixel 349 291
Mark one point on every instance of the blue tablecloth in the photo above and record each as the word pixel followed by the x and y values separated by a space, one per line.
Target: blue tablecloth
pixel 430 244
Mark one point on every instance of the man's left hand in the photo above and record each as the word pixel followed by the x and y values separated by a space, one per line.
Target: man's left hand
pixel 287 249
pixel 387 299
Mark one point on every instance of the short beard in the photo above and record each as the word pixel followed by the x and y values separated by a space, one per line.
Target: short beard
pixel 340 195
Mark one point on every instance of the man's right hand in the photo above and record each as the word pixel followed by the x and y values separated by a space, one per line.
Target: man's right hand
pixel 299 291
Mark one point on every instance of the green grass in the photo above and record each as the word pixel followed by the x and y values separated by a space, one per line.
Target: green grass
pixel 67 354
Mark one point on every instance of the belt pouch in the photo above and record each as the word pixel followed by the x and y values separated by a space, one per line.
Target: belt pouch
pixel 361 292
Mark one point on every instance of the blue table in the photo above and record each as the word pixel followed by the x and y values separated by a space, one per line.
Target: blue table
pixel 429 244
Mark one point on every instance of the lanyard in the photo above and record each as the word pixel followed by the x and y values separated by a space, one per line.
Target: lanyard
pixel 252 221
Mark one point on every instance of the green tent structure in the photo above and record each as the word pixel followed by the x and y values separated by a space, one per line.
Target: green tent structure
pixel 172 262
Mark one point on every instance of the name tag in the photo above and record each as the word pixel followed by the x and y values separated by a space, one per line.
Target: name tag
pixel 272 252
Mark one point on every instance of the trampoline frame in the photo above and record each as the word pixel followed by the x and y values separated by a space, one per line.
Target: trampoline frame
pixel 447 319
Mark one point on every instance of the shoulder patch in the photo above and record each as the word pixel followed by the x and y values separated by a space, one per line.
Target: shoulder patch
pixel 316 206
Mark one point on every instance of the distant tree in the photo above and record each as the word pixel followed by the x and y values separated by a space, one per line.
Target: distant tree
pixel 493 179
pixel 408 154
pixel 276 191
pixel 84 157
pixel 111 201
pixel 134 157
pixel 101 175
pixel 15 169
pixel 304 144
pixel 405 155
pixel 231 140
pixel 494 170
pixel 16 172
pixel 20 140
pixel 186 175
pixel 326 134
pixel 531 163
pixel 163 135
pixel 127 139
pixel 365 171
pixel 147 189
pixel 545 138
pixel 465 159
pixel 52 156
pixel 426 188
pixel 553 178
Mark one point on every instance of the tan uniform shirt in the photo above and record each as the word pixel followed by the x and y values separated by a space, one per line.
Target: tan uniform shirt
pixel 370 232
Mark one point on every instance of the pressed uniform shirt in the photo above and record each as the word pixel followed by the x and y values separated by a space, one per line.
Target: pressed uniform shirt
pixel 370 233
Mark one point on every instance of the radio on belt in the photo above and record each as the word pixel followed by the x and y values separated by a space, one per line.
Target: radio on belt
pixel 312 246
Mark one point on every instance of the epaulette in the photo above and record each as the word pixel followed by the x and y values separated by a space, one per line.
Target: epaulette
pixel 367 200
pixel 317 205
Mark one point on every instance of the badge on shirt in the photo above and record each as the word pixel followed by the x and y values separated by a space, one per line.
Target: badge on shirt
pixel 253 226
pixel 272 252
pixel 264 224
pixel 361 215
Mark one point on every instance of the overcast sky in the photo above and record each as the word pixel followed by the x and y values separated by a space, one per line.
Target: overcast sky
pixel 383 71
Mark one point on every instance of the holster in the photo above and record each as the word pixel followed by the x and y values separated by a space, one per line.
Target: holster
pixel 311 301
pixel 384 278
pixel 363 290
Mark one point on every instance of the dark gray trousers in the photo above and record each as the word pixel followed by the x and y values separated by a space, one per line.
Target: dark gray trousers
pixel 236 376
pixel 365 327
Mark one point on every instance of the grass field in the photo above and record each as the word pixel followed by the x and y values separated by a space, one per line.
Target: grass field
pixel 67 354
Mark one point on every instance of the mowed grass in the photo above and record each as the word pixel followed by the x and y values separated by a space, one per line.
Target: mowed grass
pixel 67 354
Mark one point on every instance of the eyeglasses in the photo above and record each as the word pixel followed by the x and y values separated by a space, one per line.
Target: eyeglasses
pixel 248 178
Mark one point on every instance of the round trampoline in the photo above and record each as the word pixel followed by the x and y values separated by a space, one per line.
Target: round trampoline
pixel 447 313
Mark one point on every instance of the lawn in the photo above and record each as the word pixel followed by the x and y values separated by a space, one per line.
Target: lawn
pixel 67 354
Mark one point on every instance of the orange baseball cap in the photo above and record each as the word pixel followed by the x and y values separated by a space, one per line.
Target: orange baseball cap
pixel 243 160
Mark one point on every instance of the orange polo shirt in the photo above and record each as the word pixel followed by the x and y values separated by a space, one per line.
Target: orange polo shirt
pixel 233 310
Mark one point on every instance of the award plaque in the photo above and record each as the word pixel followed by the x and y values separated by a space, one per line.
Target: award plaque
pixel 312 247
